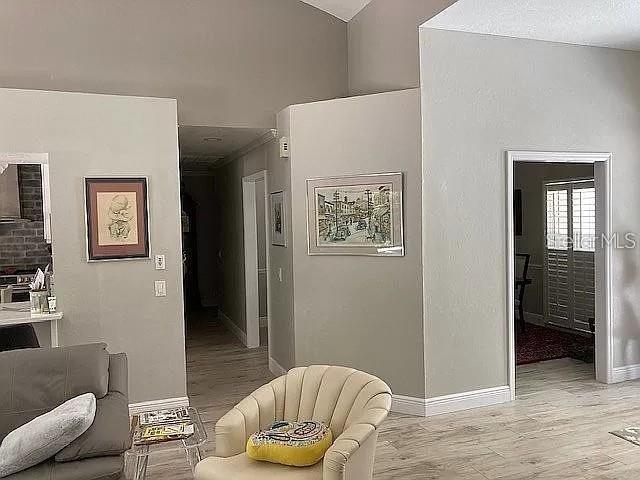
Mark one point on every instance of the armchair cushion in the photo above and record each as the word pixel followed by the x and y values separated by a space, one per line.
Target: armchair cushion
pixel 297 444
pixel 241 467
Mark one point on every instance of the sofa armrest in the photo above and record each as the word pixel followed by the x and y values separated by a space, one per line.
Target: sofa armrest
pixel 352 454
pixel 118 374
pixel 231 434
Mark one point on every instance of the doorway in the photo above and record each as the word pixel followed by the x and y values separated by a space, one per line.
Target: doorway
pixel 567 211
pixel 255 206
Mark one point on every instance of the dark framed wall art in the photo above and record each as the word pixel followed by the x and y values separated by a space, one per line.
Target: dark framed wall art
pixel 117 218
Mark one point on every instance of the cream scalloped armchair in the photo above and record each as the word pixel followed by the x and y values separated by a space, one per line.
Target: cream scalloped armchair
pixel 351 402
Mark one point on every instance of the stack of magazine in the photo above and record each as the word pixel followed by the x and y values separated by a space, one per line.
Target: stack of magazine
pixel 163 426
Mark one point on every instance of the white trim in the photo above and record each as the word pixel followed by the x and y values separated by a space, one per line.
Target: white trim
pixel 604 315
pixel 428 407
pixel 275 368
pixel 628 372
pixel 232 327
pixel 467 400
pixel 534 318
pixel 409 405
pixel 251 268
pixel 135 408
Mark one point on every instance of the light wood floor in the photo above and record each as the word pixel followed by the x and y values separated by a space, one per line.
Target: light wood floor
pixel 557 429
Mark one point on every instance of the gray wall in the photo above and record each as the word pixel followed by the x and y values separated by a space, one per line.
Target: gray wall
pixel 483 95
pixel 231 230
pixel 365 312
pixel 281 292
pixel 530 178
pixel 228 62
pixel 100 135
pixel 383 44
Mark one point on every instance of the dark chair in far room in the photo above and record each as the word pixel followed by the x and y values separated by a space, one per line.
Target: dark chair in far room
pixel 521 282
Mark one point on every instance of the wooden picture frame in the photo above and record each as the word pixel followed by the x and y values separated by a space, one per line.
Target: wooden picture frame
pixel 117 218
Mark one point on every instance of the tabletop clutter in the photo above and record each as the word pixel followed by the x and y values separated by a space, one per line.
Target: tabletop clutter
pixel 41 296
pixel 162 426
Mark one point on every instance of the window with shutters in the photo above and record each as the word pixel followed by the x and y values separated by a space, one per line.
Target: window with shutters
pixel 570 229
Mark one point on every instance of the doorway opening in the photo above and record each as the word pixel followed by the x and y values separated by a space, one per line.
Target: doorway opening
pixel 558 225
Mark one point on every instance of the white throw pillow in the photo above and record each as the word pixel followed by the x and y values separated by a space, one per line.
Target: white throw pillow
pixel 46 435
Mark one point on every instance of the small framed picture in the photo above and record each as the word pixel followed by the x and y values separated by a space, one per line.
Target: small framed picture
pixel 117 218
pixel 355 215
pixel 278 220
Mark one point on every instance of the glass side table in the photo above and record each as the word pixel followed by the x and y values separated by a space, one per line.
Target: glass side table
pixel 137 458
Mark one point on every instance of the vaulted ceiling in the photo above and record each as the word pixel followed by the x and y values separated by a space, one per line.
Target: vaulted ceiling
pixel 343 9
pixel 601 23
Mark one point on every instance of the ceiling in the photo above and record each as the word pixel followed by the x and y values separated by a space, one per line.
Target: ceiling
pixel 343 9
pixel 210 144
pixel 602 23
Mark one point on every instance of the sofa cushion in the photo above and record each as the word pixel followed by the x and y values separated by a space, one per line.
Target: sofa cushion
pixel 44 436
pixel 241 467
pixel 109 434
pixel 103 468
pixel 41 379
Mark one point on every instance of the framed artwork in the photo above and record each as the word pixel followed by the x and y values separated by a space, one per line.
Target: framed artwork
pixel 278 220
pixel 117 218
pixel 355 215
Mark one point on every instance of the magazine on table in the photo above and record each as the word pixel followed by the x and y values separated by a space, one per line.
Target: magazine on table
pixel 162 433
pixel 164 417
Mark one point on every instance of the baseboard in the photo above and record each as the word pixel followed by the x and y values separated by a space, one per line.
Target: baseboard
pixel 275 368
pixel 233 328
pixel 467 400
pixel 534 318
pixel 161 404
pixel 409 405
pixel 623 374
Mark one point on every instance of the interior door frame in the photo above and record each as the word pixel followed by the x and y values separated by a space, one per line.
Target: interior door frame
pixel 604 316
pixel 251 274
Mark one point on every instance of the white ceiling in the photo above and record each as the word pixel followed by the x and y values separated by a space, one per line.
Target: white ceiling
pixel 602 23
pixel 343 9
pixel 214 143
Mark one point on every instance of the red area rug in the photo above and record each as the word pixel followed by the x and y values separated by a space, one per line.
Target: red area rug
pixel 537 344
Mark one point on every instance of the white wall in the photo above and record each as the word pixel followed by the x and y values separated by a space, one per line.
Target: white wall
pixel 364 312
pixel 228 62
pixel 483 95
pixel 113 302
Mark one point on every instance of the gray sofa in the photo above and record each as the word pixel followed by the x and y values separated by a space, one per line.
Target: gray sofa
pixel 34 381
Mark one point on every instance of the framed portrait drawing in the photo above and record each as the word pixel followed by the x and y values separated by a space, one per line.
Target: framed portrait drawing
pixel 355 215
pixel 117 218
pixel 278 220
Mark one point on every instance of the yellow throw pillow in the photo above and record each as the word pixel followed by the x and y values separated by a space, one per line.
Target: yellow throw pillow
pixel 297 444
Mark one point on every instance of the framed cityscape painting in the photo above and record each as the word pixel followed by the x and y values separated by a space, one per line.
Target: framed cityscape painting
pixel 278 220
pixel 355 215
pixel 117 218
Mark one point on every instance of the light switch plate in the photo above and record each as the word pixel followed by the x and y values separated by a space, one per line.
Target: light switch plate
pixel 160 262
pixel 161 288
